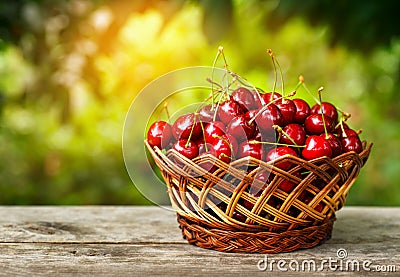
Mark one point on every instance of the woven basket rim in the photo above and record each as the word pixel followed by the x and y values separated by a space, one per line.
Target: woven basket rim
pixel 169 166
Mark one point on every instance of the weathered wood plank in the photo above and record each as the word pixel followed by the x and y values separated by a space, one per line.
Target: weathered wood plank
pixel 168 260
pixel 140 241
pixel 100 224
pixel 88 224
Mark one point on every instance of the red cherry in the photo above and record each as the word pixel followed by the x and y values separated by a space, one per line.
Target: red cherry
pixel 254 150
pixel 204 147
pixel 240 128
pixel 315 125
pixel 257 135
pixel 267 97
pixel 302 110
pixel 222 150
pixel 338 129
pixel 307 198
pixel 233 142
pixel 207 114
pixel 316 147
pixel 328 109
pixel 335 144
pixel 349 133
pixel 159 134
pixel 352 144
pixel 288 110
pixel 250 114
pixel 287 186
pixel 213 130
pixel 279 152
pixel 238 216
pixel 258 101
pixel 183 126
pixel 319 207
pixel 188 149
pixel 296 132
pixel 244 97
pixel 271 116
pixel 228 110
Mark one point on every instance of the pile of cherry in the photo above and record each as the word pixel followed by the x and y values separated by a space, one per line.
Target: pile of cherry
pixel 264 126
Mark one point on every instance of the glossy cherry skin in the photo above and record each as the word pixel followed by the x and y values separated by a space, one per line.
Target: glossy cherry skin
pixel 244 97
pixel 258 100
pixel 207 114
pixel 204 147
pixel 314 124
pixel 352 144
pixel 268 97
pixel 303 110
pixel 257 134
pixel 240 128
pixel 316 147
pixel 233 143
pixel 228 110
pixel 214 130
pixel 338 129
pixel 222 150
pixel 296 132
pixel 279 152
pixel 238 216
pixel 335 144
pixel 159 134
pixel 288 110
pixel 188 149
pixel 271 116
pixel 328 109
pixel 254 150
pixel 183 126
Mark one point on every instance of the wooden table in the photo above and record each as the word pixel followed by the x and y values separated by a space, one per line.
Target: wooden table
pixel 137 241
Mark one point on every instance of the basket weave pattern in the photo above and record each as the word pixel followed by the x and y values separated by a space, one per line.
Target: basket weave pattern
pixel 274 221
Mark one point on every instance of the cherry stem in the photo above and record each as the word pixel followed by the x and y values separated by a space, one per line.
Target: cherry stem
pixel 204 135
pixel 346 115
pixel 167 112
pixel 220 50
pixel 274 143
pixel 191 131
pixel 226 141
pixel 247 84
pixel 280 130
pixel 341 127
pixel 213 83
pixel 271 54
pixel 322 111
pixel 281 76
pixel 301 80
pixel 266 106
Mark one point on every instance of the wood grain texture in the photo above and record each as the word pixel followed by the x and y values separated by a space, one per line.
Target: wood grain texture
pixel 138 241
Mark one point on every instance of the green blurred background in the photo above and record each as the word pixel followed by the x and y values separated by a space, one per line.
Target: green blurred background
pixel 70 69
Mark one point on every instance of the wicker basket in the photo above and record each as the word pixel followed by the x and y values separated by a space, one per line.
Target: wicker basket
pixel 271 222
